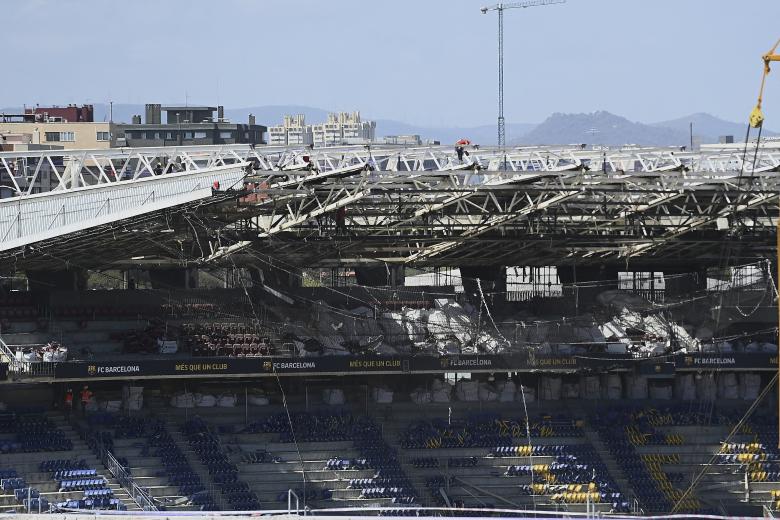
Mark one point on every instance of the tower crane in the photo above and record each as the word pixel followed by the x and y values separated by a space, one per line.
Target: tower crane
pixel 757 121
pixel 756 116
pixel 500 9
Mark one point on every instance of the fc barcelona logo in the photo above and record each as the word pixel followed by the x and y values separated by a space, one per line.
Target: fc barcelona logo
pixel 92 370
pixel 267 365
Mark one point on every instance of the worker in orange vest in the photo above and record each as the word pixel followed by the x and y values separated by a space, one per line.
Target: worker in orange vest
pixel 86 396
pixel 68 402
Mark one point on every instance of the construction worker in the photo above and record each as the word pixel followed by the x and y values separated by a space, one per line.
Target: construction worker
pixel 341 221
pixel 86 397
pixel 68 402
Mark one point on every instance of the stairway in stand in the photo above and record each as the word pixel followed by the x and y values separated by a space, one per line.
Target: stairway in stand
pixel 612 466
pixel 93 460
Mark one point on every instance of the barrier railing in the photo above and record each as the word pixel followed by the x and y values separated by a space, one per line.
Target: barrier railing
pixel 140 496
pixel 18 368
pixel 290 495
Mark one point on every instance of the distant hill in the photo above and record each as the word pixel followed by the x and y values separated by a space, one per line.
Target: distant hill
pixel 485 134
pixel 601 128
pixel 709 128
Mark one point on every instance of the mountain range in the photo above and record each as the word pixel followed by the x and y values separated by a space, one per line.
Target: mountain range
pixel 593 128
pixel 604 128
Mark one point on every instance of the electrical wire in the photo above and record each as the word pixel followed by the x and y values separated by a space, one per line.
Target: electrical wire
pixel 734 430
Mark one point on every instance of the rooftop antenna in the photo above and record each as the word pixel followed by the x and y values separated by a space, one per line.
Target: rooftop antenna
pixel 500 8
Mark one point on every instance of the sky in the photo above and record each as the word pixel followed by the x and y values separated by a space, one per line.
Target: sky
pixel 424 62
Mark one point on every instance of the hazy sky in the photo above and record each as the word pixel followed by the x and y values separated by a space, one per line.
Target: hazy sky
pixel 429 62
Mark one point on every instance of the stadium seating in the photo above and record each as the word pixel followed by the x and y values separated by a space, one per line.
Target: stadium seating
pixel 221 470
pixel 154 458
pixel 661 450
pixel 493 452
pixel 226 339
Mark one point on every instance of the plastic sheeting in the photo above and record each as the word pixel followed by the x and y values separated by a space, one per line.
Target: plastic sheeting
pixel 749 386
pixel 110 406
pixel 706 388
pixel 467 391
pixel 56 356
pixel 227 401
pixel 590 387
pixel 570 391
pixel 167 346
pixel 728 387
pixel 257 399
pixel 661 391
pixel 183 400
pixel 441 391
pixel 506 391
pixel 205 400
pixel 420 396
pixel 612 386
pixel 382 395
pixel 132 398
pixel 524 392
pixel 684 387
pixel 636 386
pixel 333 396
pixel 550 388
pixel 487 392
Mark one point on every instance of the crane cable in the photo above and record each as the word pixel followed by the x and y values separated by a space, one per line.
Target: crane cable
pixel 731 434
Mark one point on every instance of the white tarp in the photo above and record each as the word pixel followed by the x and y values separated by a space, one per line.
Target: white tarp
pixel 382 394
pixel 506 391
pixel 441 391
pixel 183 400
pixel 227 401
pixel 257 399
pixel 205 400
pixel 487 392
pixel 56 356
pixel 167 346
pixel 728 387
pixel 613 386
pixel 333 396
pixel 420 396
pixel 467 391
pixel 132 397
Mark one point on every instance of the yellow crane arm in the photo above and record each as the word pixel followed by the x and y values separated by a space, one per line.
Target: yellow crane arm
pixel 756 116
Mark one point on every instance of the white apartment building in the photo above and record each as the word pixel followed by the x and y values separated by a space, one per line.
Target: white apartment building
pixel 340 128
pixel 292 131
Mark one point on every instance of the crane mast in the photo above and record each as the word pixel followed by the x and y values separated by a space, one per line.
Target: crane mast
pixel 500 9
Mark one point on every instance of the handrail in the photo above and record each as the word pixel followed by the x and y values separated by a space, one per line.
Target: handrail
pixel 8 353
pixel 290 495
pixel 140 496
pixel 30 368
